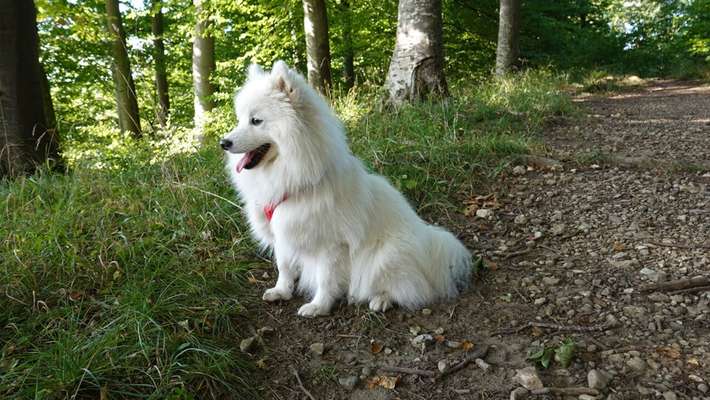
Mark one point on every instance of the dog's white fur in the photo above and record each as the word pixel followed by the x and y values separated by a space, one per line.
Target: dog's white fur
pixel 341 230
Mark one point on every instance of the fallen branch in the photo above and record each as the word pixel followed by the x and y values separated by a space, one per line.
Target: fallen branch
pixel 300 384
pixel 679 284
pixel 548 325
pixel 570 391
pixel 516 253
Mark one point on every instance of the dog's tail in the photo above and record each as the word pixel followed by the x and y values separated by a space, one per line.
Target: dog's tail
pixel 450 253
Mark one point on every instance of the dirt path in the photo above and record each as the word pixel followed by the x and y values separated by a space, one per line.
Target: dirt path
pixel 570 247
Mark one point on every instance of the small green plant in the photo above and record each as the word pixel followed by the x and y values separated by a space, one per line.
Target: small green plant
pixel 563 354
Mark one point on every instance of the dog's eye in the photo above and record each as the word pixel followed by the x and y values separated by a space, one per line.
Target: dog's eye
pixel 256 121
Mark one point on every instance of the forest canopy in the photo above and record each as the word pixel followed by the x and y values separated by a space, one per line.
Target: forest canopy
pixel 650 37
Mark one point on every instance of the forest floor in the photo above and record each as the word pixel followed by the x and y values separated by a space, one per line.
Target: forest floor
pixel 569 249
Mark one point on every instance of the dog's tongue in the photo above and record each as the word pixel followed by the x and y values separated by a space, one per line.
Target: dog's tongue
pixel 245 160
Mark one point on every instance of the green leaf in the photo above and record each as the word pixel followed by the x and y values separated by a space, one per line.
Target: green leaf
pixel 565 352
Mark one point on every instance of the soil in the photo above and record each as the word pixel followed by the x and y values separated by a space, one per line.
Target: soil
pixel 570 247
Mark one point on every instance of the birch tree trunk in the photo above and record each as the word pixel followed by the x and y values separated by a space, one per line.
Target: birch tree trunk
pixel 417 67
pixel 27 132
pixel 161 76
pixel 203 65
pixel 125 88
pixel 349 53
pixel 315 22
pixel 508 32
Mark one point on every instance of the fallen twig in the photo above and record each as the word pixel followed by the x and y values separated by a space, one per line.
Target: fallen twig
pixel 692 290
pixel 680 245
pixel 479 352
pixel 411 371
pixel 574 328
pixel 515 253
pixel 300 384
pixel 679 284
pixel 570 391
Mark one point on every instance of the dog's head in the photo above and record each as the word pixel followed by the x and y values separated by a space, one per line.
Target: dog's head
pixel 285 127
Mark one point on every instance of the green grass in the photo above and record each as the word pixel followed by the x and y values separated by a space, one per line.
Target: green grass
pixel 124 277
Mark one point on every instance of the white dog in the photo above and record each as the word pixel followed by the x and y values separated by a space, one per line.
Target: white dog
pixel 333 226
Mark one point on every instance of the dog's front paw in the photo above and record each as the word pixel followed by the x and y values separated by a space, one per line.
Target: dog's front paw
pixel 312 309
pixel 380 303
pixel 275 294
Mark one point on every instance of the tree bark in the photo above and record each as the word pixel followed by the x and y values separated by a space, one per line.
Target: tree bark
pixel 417 67
pixel 27 132
pixel 203 65
pixel 125 88
pixel 161 76
pixel 508 32
pixel 349 53
pixel 315 22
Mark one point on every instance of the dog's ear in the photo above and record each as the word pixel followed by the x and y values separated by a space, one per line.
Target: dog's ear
pixel 254 71
pixel 283 78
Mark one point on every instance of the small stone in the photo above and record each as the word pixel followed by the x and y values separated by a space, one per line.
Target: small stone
pixel 520 219
pixel 442 365
pixel 519 170
pixel 550 281
pixel 388 351
pixel 519 394
pixel 637 364
pixel 537 235
pixel 703 388
pixel 421 341
pixel 557 229
pixel 528 378
pixel 365 372
pixel 484 213
pixel 482 364
pixel 439 331
pixel 587 397
pixel 426 311
pixel 247 344
pixel 414 330
pixel 540 301
pixel 453 344
pixel 669 396
pixel 348 382
pixel 317 348
pixel 597 379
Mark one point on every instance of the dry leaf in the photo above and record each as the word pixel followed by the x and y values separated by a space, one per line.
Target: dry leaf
pixel 74 295
pixel 536 331
pixel 618 247
pixel 467 345
pixel 439 338
pixel 251 279
pixel 669 352
pixel 694 362
pixel 375 347
pixel 387 382
pixel 261 364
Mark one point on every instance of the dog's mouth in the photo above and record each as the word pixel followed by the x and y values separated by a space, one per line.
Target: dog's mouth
pixel 252 158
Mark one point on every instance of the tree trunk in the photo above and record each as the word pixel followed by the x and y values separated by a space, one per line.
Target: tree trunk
pixel 417 67
pixel 349 53
pixel 315 22
pixel 125 89
pixel 203 65
pixel 161 76
pixel 27 135
pixel 508 31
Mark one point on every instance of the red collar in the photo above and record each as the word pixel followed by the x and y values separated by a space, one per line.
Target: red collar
pixel 271 207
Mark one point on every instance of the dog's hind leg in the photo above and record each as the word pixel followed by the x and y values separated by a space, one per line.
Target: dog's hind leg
pixel 285 262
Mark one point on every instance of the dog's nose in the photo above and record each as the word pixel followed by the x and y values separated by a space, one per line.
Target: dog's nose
pixel 225 143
